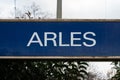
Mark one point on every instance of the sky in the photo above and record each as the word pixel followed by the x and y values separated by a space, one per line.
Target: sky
pixel 101 67
pixel 72 9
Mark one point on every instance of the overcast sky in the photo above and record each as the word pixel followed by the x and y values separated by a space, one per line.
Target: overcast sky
pixel 77 9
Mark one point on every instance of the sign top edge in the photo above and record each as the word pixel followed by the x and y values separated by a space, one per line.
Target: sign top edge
pixel 59 20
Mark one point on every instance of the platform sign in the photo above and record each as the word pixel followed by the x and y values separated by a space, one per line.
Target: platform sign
pixel 59 38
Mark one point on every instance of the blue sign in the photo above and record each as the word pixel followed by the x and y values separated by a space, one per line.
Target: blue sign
pixel 59 38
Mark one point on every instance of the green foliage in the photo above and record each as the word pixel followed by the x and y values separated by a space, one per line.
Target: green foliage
pixel 117 68
pixel 43 70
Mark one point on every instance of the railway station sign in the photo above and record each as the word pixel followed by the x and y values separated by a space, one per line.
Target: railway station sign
pixel 59 38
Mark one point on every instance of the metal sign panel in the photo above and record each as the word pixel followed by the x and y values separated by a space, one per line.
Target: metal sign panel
pixel 59 38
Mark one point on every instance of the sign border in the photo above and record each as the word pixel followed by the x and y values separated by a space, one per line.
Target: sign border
pixel 59 20
pixel 86 58
pixel 83 58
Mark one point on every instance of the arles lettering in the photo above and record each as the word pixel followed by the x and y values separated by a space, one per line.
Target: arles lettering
pixel 36 39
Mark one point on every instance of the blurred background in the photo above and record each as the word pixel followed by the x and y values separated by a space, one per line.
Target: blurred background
pixel 64 69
